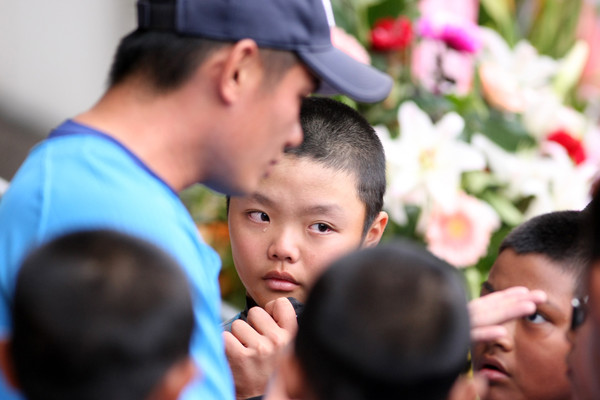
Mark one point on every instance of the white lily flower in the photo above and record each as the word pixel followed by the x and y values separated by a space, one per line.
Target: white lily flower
pixel 511 77
pixel 548 175
pixel 426 161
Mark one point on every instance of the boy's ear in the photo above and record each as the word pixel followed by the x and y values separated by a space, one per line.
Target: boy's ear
pixel 376 229
pixel 175 380
pixel 241 66
pixel 7 364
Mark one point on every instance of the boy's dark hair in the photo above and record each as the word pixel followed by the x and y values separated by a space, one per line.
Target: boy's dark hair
pixel 338 137
pixel 167 60
pixel 556 235
pixel 590 220
pixel 98 315
pixel 385 322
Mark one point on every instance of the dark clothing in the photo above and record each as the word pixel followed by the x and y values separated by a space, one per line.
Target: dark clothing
pixel 242 315
pixel 251 303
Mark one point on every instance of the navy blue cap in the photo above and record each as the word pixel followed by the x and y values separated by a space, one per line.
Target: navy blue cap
pixel 300 26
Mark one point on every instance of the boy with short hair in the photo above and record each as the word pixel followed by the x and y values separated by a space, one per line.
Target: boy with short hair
pixel 321 201
pixel 382 323
pixel 100 315
pixel 546 253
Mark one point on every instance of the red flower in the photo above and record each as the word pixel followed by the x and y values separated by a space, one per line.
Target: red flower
pixel 391 34
pixel 573 146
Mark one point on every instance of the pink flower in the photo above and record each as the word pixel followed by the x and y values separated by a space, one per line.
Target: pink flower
pixel 499 89
pixel 391 34
pixel 588 29
pixel 461 236
pixel 458 66
pixel 458 33
pixel 349 45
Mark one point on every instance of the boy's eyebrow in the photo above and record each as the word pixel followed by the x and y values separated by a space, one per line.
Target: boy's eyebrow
pixel 262 199
pixel 323 209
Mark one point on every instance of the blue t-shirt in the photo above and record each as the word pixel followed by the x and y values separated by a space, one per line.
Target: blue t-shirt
pixel 80 178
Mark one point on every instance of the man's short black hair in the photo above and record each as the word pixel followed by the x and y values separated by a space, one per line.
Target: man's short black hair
pixel 385 322
pixel 557 235
pixel 339 137
pixel 98 315
pixel 167 60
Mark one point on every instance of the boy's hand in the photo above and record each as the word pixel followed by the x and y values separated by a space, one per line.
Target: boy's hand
pixel 489 312
pixel 253 348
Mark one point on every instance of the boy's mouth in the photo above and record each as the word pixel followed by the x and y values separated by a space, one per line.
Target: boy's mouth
pixel 493 369
pixel 280 281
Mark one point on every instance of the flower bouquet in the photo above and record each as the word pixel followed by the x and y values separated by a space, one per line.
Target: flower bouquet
pixel 486 125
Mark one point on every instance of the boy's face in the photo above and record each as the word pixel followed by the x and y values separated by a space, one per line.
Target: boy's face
pixel 529 363
pixel 301 218
pixel 584 358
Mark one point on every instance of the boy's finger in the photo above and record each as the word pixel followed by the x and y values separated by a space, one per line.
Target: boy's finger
pixel 247 335
pixel 233 347
pixel 501 306
pixel 488 333
pixel 261 320
pixel 284 314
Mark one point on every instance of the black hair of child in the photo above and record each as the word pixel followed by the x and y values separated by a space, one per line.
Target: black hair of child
pixel 340 138
pixel 98 315
pixel 385 322
pixel 557 235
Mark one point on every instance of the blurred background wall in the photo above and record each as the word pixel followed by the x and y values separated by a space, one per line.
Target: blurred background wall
pixel 54 60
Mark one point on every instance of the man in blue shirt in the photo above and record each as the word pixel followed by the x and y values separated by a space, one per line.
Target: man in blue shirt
pixel 201 92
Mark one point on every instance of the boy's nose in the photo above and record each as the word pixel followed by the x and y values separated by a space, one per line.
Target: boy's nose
pixel 506 342
pixel 284 248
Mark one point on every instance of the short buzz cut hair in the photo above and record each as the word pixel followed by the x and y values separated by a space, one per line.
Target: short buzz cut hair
pixel 98 315
pixel 557 235
pixel 339 137
pixel 384 322
pixel 166 60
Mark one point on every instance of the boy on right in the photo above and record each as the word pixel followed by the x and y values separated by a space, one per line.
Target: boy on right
pixel 546 253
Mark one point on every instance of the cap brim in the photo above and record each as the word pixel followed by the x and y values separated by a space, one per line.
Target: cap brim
pixel 342 74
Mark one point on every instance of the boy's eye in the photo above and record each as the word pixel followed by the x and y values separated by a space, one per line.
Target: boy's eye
pixel 321 227
pixel 536 318
pixel 258 216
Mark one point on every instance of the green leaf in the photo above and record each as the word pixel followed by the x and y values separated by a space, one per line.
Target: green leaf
pixel 506 130
pixel 500 13
pixel 571 68
pixel 476 182
pixel 473 280
pixel 507 211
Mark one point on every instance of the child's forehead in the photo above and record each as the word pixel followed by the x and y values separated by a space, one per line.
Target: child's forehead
pixel 532 270
pixel 309 181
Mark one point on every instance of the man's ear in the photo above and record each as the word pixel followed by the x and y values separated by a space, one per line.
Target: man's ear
pixel 376 229
pixel 175 380
pixel 7 364
pixel 241 67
